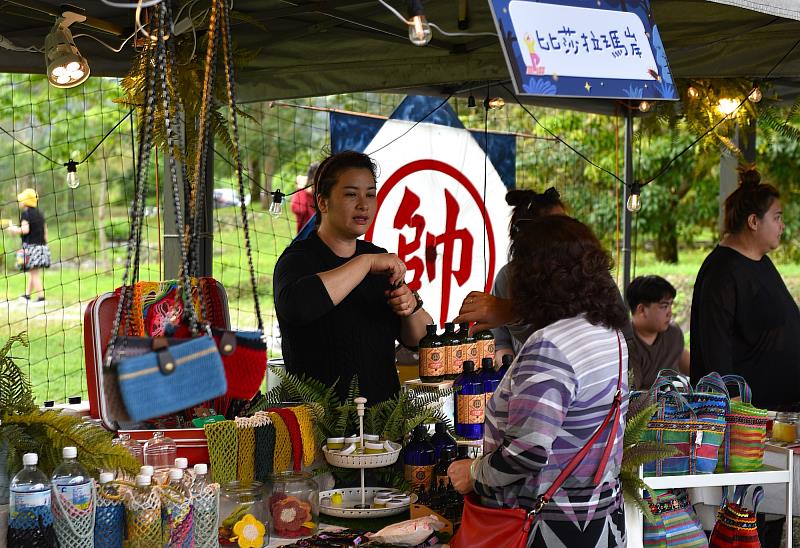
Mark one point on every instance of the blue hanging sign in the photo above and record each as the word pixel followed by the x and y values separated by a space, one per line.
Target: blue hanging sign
pixel 607 49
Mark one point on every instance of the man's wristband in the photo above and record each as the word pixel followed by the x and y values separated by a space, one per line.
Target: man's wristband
pixel 419 302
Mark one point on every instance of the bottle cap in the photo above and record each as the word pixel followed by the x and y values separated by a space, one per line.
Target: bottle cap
pixel 69 452
pixel 440 427
pixel 507 359
pixel 469 366
pixel 449 326
pixel 30 459
pixel 421 430
pixel 175 474
pixel 431 328
pixel 201 469
pixel 105 477
pixel 74 400
pixel 147 470
pixel 182 463
pixel 143 480
pixel 487 363
pixel 464 326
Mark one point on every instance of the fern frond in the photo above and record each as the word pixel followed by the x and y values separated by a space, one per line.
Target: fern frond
pixel 637 424
pixel 632 487
pixel 15 388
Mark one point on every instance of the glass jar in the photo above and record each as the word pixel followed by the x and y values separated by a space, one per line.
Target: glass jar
pixel 238 500
pixel 294 505
pixel 133 446
pixel 785 427
pixel 160 451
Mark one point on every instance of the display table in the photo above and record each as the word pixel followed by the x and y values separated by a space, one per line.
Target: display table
pixel 706 489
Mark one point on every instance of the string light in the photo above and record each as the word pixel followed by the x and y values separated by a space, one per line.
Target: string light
pixel 692 92
pixel 727 106
pixel 755 95
pixel 419 31
pixel 276 207
pixel 72 174
pixel 634 203
pixel 496 103
pixel 644 106
pixel 471 102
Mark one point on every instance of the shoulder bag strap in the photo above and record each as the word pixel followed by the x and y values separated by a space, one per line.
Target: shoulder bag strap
pixel 613 418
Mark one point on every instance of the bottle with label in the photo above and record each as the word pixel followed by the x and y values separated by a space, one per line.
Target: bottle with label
pixel 431 356
pixel 452 351
pixel 71 480
pixel 469 341
pixel 442 439
pixel 160 452
pixel 507 360
pixel 419 459
pixel 469 403
pixel 491 378
pixel 109 524
pixel 485 344
pixel 440 477
pixel 30 519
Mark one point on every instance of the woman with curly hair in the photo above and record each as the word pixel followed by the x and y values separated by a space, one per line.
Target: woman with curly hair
pixel 561 394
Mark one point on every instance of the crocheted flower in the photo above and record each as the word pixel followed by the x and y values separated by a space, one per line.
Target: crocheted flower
pixel 250 532
pixel 289 515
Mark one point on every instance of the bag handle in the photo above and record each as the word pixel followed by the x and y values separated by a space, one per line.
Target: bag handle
pixel 745 394
pixel 611 418
pixel 712 382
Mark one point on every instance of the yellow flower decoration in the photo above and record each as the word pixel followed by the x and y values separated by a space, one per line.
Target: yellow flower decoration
pixel 249 532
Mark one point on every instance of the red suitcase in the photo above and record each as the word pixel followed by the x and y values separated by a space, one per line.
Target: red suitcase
pixel 97 323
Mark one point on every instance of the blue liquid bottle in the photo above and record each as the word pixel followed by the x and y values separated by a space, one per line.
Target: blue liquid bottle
pixel 30 519
pixel 506 364
pixel 491 378
pixel 469 403
pixel 442 439
pixel 419 459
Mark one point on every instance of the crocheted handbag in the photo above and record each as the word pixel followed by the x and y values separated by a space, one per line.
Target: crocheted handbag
pixel 736 525
pixel 675 524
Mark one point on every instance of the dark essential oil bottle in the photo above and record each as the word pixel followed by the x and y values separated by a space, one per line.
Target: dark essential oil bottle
pixel 469 403
pixel 442 439
pixel 440 470
pixel 419 459
pixel 485 344
pixel 491 378
pixel 469 342
pixel 452 347
pixel 505 365
pixel 431 356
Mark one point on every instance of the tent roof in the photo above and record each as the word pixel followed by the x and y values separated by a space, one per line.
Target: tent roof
pixel 317 47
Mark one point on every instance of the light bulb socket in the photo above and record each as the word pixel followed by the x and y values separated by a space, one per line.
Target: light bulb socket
pixel 636 188
pixel 471 102
pixel 415 8
pixel 277 197
pixel 72 166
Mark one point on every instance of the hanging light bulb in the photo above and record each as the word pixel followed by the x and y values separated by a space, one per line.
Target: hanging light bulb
pixel 419 31
pixel 692 92
pixel 276 207
pixel 496 103
pixel 727 106
pixel 644 106
pixel 72 174
pixel 755 95
pixel 635 199
pixel 471 101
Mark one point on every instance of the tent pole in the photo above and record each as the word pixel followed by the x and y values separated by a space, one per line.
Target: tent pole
pixel 627 215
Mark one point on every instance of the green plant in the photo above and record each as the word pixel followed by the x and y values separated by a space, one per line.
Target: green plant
pixel 637 453
pixel 117 231
pixel 25 428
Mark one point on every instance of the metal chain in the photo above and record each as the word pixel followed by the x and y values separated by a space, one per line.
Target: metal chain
pixel 134 240
pixel 229 80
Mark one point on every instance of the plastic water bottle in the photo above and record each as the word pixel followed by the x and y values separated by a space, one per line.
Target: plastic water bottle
pixel 143 516
pixel 109 525
pixel 182 463
pixel 176 480
pixel 30 520
pixel 72 481
pixel 200 479
pixel 160 451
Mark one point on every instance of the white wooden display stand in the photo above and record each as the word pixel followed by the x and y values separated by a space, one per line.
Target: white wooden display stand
pixel 701 482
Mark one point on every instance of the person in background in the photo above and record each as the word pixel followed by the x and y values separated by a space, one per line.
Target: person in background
pixel 744 321
pixel 558 392
pixel 657 342
pixel 303 200
pixel 34 254
pixel 341 301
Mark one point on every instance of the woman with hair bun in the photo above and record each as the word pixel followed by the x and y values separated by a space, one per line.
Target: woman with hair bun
pixel 744 321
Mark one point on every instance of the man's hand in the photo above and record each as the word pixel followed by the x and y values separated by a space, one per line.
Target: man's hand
pixel 402 300
pixel 486 311
pixel 388 264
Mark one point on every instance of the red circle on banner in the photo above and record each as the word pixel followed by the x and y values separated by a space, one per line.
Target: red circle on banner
pixel 435 165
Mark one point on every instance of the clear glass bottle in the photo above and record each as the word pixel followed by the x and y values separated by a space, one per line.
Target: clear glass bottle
pixel 294 504
pixel 135 447
pixel 237 500
pixel 160 451
pixel 30 519
pixel 72 481
pixel 785 427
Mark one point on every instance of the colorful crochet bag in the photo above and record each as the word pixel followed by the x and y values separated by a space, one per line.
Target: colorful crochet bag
pixel 675 524
pixel 695 428
pixel 736 525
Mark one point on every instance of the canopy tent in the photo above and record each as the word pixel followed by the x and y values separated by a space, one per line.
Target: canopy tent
pixel 315 47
